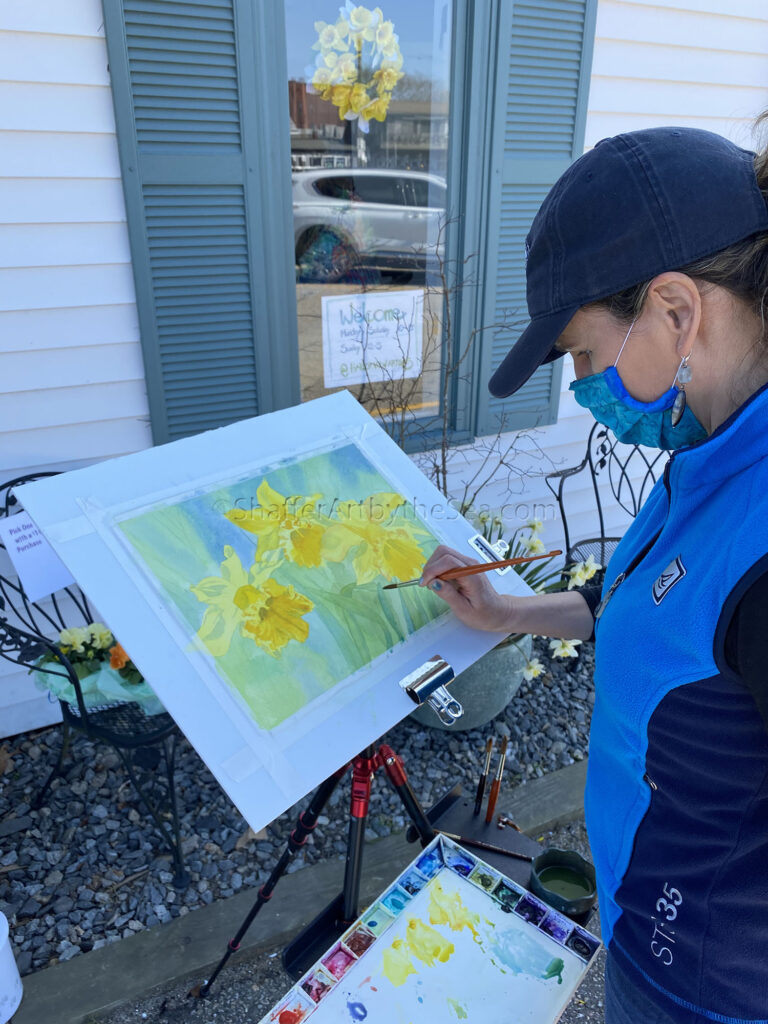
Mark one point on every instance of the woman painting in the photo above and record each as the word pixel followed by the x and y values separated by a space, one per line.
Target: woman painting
pixel 648 264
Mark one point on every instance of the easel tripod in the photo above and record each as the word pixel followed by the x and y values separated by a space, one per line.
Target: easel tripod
pixel 344 909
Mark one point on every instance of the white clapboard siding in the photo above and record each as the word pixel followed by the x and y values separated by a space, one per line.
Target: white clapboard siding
pixel 72 154
pixel 45 245
pixel 46 287
pixel 32 330
pixel 73 18
pixel 40 58
pixel 30 200
pixel 72 387
pixel 72 367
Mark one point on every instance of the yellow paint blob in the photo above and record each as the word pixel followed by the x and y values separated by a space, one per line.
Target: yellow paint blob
pixel 445 908
pixel 427 944
pixel 396 963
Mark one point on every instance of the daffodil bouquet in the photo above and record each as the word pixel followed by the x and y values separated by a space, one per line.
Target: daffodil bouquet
pixel 358 65
pixel 543 577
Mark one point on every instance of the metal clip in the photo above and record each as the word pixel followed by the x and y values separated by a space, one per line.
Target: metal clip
pixel 427 685
pixel 490 552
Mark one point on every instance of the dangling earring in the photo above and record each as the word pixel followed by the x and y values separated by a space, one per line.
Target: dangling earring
pixel 683 376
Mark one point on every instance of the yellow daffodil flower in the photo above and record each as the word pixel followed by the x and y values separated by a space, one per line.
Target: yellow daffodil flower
pixel 287 524
pixel 535 525
pixel 361 21
pixel 386 543
pixel 322 82
pixel 346 68
pixel 391 49
pixel 384 32
pixel 357 99
pixel 330 37
pixel 533 669
pixel 264 610
pixel 564 648
pixel 272 615
pixel 376 109
pixel 387 78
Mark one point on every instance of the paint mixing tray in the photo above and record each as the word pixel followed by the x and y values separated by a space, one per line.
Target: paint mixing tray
pixel 451 938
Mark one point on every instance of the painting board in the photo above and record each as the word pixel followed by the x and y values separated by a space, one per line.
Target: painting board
pixel 450 939
pixel 242 570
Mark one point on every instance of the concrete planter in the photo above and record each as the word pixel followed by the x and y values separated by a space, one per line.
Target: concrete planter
pixel 485 688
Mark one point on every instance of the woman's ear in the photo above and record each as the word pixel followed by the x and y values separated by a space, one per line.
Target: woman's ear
pixel 674 302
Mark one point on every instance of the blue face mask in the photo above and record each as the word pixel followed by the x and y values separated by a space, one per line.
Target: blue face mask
pixel 634 422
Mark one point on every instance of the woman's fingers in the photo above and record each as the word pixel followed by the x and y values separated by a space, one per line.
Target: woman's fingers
pixel 473 598
pixel 442 559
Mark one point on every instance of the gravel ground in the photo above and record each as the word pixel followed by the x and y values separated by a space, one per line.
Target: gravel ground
pixel 86 869
pixel 247 990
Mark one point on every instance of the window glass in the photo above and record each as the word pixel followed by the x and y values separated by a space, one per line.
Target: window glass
pixel 369 101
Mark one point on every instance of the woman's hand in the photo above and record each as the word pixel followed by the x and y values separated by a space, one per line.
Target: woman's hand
pixel 472 598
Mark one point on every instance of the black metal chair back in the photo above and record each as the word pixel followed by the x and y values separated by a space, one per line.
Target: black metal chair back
pixel 629 471
pixel 30 629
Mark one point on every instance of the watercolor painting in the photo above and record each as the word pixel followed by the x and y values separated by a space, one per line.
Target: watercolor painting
pixel 452 950
pixel 279 577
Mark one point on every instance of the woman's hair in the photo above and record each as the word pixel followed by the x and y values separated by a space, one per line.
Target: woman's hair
pixel 741 269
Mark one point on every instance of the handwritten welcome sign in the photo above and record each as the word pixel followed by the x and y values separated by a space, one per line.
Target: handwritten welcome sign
pixel 372 337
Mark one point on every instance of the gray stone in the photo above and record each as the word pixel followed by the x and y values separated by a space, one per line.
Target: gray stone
pixel 484 689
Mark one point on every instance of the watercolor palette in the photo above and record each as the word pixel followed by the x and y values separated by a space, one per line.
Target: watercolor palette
pixel 451 939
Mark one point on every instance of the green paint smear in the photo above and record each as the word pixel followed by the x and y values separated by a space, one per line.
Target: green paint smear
pixel 457 1008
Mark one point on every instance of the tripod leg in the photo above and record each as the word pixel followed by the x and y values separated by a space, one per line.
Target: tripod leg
pixel 396 773
pixel 363 768
pixel 304 826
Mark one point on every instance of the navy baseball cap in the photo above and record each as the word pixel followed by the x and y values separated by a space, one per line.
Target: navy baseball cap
pixel 634 206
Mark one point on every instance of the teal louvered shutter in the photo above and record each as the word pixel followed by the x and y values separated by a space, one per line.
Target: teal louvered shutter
pixel 543 66
pixel 197 169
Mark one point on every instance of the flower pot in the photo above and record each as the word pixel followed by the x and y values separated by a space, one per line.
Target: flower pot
pixel 100 689
pixel 10 981
pixel 485 688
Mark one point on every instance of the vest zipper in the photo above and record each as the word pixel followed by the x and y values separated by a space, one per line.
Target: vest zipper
pixel 641 555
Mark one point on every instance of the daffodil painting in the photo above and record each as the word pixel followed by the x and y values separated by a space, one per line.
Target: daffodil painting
pixel 279 577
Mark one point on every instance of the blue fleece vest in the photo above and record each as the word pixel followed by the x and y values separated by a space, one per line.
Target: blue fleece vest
pixel 677 786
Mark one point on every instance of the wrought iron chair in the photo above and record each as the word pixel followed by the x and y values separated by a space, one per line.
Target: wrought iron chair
pixel 629 471
pixel 27 631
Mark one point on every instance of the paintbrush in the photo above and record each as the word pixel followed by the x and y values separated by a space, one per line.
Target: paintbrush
pixel 484 776
pixel 483 846
pixel 470 570
pixel 496 783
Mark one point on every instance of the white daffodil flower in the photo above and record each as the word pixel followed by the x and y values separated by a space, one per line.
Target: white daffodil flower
pixel 564 648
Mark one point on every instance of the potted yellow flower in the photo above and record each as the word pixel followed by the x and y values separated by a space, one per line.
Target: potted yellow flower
pixel 105 671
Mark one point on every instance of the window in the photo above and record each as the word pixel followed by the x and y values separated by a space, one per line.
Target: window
pixel 484 108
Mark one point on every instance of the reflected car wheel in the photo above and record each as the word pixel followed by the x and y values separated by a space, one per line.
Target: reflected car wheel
pixel 324 256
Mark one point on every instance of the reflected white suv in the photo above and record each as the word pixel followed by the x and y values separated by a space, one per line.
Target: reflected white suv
pixel 379 220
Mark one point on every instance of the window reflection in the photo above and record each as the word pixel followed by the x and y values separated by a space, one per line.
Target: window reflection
pixel 369 109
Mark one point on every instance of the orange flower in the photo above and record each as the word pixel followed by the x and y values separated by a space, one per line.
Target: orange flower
pixel 117 657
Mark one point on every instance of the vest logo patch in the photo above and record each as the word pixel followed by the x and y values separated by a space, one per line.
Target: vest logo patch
pixel 671 575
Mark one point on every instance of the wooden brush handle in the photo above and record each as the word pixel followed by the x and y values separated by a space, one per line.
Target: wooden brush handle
pixel 470 570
